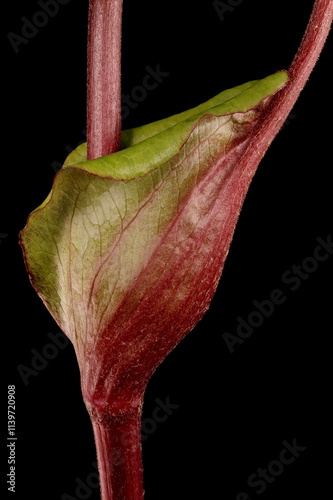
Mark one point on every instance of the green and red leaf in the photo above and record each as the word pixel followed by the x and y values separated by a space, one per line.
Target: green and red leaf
pixel 128 248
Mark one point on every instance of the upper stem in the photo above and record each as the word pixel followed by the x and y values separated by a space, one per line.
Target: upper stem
pixel 104 78
pixel 312 43
pixel 276 113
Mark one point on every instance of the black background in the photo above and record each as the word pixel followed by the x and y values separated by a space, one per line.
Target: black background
pixel 236 409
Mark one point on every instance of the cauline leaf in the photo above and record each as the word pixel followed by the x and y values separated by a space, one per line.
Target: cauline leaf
pixel 129 247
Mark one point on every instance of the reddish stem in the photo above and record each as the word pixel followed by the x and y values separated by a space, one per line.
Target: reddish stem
pixel 276 113
pixel 104 78
pixel 118 445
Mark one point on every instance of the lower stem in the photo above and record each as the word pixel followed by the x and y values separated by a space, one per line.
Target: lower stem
pixel 118 446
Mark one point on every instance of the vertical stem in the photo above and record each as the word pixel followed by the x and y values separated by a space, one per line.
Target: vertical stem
pixel 104 77
pixel 118 445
